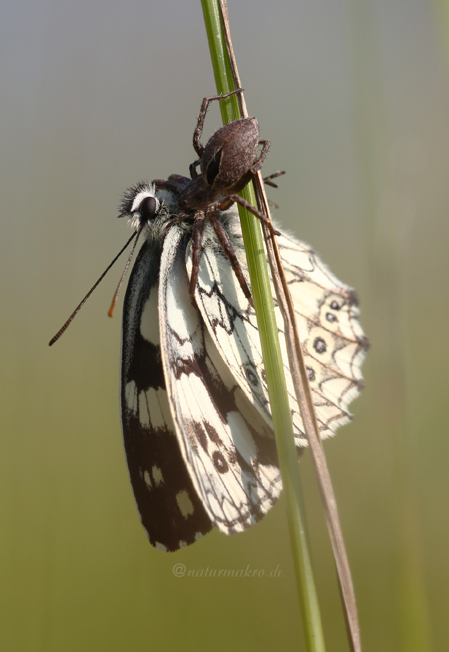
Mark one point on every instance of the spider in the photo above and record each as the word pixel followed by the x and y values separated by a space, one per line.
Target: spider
pixel 227 163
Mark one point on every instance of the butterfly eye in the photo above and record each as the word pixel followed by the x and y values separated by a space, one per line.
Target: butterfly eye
pixel 148 208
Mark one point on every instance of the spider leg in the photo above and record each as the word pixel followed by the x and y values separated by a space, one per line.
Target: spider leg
pixel 197 238
pixel 267 180
pixel 178 179
pixel 225 242
pixel 192 168
pixel 263 218
pixel 262 156
pixel 199 149
pixel 175 220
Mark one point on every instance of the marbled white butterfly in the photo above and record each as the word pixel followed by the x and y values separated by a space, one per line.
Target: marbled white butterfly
pixel 195 413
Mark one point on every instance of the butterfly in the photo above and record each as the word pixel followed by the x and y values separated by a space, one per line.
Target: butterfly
pixel 196 419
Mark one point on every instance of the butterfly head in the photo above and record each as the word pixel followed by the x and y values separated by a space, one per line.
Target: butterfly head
pixel 140 205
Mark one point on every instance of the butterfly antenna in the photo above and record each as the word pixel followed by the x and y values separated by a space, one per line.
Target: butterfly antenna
pixel 78 308
pixel 122 278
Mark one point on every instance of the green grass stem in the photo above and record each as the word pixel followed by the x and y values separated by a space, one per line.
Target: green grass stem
pixel 274 368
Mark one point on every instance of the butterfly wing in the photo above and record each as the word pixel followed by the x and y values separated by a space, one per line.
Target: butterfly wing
pixel 227 447
pixel 327 315
pixel 169 507
pixel 333 342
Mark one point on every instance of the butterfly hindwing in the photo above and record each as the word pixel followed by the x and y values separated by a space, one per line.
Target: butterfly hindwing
pixel 170 510
pixel 327 317
pixel 332 338
pixel 227 447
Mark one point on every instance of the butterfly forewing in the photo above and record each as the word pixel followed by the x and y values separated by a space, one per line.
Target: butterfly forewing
pixel 170 510
pixel 227 446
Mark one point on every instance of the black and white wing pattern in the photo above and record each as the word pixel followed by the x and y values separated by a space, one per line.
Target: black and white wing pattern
pixel 196 419
pixel 333 342
pixel 227 447
pixel 199 454
pixel 170 510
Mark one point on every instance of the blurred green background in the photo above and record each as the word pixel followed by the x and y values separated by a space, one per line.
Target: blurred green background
pixel 354 97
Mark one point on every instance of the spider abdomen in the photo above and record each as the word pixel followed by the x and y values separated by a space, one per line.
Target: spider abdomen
pixel 229 155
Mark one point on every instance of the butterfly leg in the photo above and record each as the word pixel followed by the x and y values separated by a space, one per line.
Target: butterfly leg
pixel 226 244
pixel 197 238
pixel 199 149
